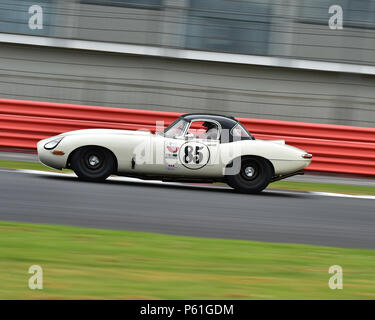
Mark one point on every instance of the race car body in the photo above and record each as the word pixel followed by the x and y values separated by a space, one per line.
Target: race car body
pixel 194 148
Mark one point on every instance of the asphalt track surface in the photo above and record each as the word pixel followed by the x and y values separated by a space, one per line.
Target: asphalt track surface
pixel 272 216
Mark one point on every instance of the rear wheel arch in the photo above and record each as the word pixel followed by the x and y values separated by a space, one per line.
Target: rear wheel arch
pixel 253 176
pixel 254 157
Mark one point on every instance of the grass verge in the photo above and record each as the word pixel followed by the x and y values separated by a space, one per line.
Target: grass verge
pixel 25 165
pixel 80 263
pixel 323 187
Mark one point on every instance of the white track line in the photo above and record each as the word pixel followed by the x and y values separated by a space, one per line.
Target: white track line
pixel 128 179
pixel 344 195
pixel 117 178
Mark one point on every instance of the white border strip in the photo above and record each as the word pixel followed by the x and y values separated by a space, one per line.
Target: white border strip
pixel 118 178
pixel 210 186
pixel 186 54
pixel 342 195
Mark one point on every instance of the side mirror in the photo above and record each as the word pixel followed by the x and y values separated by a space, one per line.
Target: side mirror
pixel 187 136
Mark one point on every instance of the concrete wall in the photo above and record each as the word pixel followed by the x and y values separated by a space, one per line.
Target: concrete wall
pixel 124 81
pixel 288 28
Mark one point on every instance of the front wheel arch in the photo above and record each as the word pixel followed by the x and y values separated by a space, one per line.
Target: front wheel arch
pixel 69 161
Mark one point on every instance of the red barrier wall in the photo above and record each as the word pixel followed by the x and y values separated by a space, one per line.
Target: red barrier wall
pixel 340 149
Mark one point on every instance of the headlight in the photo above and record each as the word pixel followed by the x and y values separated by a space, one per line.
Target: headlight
pixel 307 156
pixel 52 144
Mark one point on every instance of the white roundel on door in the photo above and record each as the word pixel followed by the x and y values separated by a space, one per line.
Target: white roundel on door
pixel 194 155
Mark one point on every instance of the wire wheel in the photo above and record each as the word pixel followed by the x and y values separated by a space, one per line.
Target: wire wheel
pixel 93 163
pixel 253 176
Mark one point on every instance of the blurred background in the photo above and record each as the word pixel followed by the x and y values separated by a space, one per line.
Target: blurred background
pixel 255 59
pixel 271 59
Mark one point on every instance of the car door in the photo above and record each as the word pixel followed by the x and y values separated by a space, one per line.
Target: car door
pixel 184 152
pixel 198 155
pixel 163 150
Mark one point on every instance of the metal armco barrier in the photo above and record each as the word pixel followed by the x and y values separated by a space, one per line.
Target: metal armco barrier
pixel 335 148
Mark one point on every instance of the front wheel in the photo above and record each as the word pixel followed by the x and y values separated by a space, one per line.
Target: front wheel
pixel 254 176
pixel 93 163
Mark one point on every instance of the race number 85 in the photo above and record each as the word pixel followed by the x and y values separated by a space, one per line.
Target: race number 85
pixel 194 155
pixel 197 157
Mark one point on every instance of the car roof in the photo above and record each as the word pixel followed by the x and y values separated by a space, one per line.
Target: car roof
pixel 226 122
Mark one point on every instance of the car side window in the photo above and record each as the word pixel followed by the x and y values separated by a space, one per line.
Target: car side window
pixel 204 129
pixel 197 129
pixel 240 133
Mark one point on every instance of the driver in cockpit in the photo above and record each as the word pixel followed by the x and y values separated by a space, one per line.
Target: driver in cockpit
pixel 211 132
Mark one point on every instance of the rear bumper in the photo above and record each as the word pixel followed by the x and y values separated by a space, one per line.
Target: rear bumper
pixel 281 177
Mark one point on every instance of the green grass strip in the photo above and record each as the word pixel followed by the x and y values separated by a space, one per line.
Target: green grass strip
pixel 323 187
pixel 25 165
pixel 80 263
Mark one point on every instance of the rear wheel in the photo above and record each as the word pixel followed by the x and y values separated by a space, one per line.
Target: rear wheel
pixel 93 163
pixel 253 177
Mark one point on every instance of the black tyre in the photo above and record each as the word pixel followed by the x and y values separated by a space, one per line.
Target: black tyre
pixel 254 176
pixel 93 163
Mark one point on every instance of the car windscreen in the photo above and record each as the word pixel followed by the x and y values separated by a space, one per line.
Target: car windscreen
pixel 176 129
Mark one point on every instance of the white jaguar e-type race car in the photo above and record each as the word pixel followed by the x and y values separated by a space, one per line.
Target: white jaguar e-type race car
pixel 194 148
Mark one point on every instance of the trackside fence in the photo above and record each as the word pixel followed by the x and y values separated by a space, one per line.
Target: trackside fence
pixel 335 148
